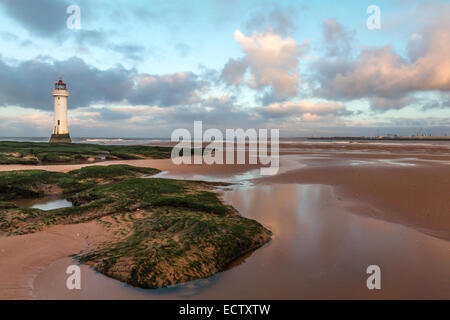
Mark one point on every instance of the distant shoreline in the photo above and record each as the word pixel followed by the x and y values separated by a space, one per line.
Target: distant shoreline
pixel 167 141
pixel 383 138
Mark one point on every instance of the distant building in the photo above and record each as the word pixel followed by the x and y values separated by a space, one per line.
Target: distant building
pixel 60 131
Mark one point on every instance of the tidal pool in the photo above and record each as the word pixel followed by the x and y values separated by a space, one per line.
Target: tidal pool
pixel 46 203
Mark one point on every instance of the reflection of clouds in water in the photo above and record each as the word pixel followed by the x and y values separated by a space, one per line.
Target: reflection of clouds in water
pixel 402 162
pixel 45 203
pixel 288 163
pixel 241 178
pixel 55 204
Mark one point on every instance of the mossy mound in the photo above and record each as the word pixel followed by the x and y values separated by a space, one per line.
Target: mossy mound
pixel 20 184
pixel 12 152
pixel 139 193
pixel 159 231
pixel 7 205
pixel 166 231
pixel 29 183
pixel 37 183
pixel 166 246
pixel 111 173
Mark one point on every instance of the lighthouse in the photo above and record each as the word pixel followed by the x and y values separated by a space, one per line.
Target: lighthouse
pixel 60 132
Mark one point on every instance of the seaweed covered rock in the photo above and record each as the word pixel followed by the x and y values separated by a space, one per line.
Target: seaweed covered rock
pixel 13 152
pixel 159 232
pixel 161 247
pixel 37 183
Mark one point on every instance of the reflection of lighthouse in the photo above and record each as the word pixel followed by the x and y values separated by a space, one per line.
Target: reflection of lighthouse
pixel 60 132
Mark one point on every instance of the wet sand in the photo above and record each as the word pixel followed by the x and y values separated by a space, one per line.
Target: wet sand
pixel 416 196
pixel 23 257
pixel 334 209
pixel 162 164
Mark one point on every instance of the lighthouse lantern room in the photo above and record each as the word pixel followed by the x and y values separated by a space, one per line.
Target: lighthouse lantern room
pixel 60 132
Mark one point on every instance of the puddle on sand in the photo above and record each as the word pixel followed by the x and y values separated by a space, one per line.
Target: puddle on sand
pixel 319 250
pixel 243 179
pixel 46 203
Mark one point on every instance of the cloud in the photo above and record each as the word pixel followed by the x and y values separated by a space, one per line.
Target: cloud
pixel 86 39
pixel 165 90
pixel 47 19
pixel 338 40
pixel 382 104
pixel 308 110
pixel 130 51
pixel 29 84
pixel 385 77
pixel 214 111
pixel 233 72
pixel 376 72
pixel 90 37
pixel 110 114
pixel 272 62
pixel 281 20
pixel 442 103
pixel 44 17
pixel 309 117
pixel 416 47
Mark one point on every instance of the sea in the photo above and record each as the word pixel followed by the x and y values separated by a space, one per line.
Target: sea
pixel 283 140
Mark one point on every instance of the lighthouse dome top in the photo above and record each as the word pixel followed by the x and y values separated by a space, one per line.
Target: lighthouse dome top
pixel 60 85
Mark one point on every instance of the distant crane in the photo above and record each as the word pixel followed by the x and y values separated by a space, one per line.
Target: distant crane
pixel 419 132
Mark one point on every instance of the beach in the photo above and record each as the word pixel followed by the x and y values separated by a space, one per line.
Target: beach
pixel 334 209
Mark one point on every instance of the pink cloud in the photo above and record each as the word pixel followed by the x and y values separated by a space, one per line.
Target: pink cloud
pixel 304 107
pixel 387 78
pixel 271 61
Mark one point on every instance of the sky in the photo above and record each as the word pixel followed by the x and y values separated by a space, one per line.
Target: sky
pixel 145 68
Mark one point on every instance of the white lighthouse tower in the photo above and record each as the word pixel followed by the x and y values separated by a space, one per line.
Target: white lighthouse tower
pixel 60 132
